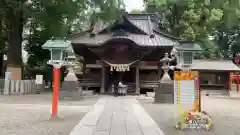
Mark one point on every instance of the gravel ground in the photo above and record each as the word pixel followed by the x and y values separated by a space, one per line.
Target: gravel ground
pixel 29 115
pixel 46 99
pixel 224 111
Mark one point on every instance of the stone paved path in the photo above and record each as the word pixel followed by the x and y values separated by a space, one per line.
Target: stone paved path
pixel 117 116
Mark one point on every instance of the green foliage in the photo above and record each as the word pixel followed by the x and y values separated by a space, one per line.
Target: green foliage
pixel 61 17
pixel 190 19
pixel 39 20
pixel 227 34
pixel 198 19
pixel 211 49
pixel 136 11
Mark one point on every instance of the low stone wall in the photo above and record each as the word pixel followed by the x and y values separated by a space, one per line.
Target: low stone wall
pixel 19 87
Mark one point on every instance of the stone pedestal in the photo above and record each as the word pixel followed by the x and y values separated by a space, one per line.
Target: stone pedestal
pixel 165 92
pixel 70 87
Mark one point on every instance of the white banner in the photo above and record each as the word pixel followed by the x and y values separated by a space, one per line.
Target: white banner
pixel 39 79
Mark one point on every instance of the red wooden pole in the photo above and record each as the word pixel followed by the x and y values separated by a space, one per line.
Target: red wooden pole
pixel 230 81
pixel 56 85
pixel 237 77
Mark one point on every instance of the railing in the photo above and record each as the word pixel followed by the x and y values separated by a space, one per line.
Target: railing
pixel 19 87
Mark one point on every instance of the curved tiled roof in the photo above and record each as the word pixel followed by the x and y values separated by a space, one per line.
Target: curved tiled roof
pixel 212 65
pixel 142 40
pixel 144 23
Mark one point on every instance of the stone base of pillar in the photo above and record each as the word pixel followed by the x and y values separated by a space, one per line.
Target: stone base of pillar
pixel 165 94
pixel 137 93
pixel 54 118
pixel 102 92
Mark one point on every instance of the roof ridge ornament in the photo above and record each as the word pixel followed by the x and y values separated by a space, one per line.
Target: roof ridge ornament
pixel 151 35
pixel 92 35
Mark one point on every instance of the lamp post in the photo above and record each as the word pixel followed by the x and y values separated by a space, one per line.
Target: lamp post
pixel 59 50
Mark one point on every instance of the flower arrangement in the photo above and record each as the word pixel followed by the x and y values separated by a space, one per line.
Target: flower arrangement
pixel 194 120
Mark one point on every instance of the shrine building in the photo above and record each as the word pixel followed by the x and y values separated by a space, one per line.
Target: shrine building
pixel 129 50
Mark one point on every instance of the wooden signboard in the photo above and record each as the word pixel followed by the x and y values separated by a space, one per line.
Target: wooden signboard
pixel 186 91
pixel 39 79
pixel 188 99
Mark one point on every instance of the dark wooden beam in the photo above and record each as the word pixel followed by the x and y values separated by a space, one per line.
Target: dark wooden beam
pixel 137 81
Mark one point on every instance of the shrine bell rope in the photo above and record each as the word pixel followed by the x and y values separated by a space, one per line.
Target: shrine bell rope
pixel 120 67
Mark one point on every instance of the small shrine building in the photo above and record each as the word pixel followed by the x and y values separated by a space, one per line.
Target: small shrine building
pixel 127 50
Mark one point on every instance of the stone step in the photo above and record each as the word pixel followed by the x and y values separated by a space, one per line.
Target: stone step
pixel 150 94
pixel 234 94
pixel 215 92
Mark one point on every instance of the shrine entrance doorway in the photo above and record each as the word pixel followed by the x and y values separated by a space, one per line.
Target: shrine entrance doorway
pixel 127 78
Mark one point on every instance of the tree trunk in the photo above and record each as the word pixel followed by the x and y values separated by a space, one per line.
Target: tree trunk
pixel 1 64
pixel 14 53
pixel 2 44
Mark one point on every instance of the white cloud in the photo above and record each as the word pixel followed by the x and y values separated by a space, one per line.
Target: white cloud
pixel 134 4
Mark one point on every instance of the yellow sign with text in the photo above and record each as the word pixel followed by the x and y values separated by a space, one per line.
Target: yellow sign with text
pixel 185 75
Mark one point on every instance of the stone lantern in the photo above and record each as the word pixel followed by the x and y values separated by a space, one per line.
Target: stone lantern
pixel 58 48
pixel 185 52
pixel 165 91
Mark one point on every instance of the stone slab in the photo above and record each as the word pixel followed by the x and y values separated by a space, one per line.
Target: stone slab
pixel 147 124
pixel 117 116
pixel 90 120
pixel 101 133
pixel 104 122
pixel 85 130
pixel 132 125
pixel 118 126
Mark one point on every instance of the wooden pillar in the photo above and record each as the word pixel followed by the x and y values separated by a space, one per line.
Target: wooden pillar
pixel 137 81
pixel 103 79
pixel 159 75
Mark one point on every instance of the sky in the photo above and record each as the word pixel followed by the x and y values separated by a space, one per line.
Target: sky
pixel 133 4
pixel 130 5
